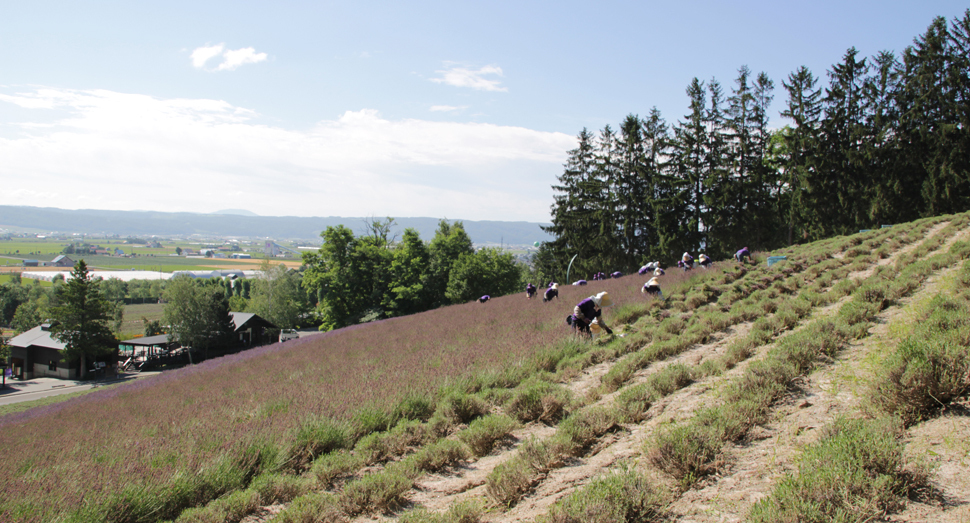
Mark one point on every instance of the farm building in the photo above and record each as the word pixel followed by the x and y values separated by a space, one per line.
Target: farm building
pixel 62 261
pixel 35 354
pixel 240 256
pixel 31 263
pixel 251 329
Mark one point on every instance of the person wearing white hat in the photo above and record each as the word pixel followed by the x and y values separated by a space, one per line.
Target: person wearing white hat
pixel 652 287
pixel 551 292
pixel 589 310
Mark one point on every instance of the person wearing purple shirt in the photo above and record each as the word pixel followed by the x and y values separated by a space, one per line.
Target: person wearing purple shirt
pixel 530 291
pixel 590 309
pixel 742 254
pixel 484 299
pixel 551 292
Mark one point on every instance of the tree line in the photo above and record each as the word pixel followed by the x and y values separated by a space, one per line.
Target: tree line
pixel 360 278
pixel 885 140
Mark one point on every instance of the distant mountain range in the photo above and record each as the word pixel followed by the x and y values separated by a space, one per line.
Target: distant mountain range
pixel 240 223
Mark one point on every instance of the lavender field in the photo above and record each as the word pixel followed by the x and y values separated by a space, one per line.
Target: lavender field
pixel 187 436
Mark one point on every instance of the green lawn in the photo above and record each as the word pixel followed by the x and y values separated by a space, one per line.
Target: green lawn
pixel 134 313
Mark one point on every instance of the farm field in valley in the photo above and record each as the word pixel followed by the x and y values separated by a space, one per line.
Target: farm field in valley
pixel 700 408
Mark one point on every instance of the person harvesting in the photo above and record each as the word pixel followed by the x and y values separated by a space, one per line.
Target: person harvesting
pixel 589 311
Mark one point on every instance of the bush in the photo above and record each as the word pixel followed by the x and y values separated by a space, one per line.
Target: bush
pixel 921 376
pixel 382 491
pixel 687 451
pixel 854 473
pixel 468 511
pixel 538 400
pixel 483 433
pixel 633 402
pixel 331 466
pixel 439 455
pixel 314 438
pixel 582 428
pixel 462 407
pixel 318 507
pixel 614 498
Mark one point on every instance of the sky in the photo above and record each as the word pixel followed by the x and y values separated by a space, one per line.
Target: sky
pixel 451 109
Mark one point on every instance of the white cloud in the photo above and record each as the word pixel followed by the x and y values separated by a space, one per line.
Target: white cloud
pixel 234 59
pixel 447 108
pixel 114 150
pixel 201 55
pixel 462 77
pixel 231 59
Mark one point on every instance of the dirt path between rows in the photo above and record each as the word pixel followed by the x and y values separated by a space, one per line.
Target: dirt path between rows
pixel 835 389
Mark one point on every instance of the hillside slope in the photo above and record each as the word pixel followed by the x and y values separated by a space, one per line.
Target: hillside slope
pixel 703 410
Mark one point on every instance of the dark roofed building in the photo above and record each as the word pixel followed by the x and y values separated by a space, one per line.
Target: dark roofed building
pixel 251 329
pixel 35 353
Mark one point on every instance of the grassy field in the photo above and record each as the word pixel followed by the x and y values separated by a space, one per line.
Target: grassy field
pixel 133 317
pixel 351 423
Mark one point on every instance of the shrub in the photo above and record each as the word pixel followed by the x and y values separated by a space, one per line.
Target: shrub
pixel 671 378
pixel 462 407
pixel 633 402
pixel 582 428
pixel 279 488
pixel 467 511
pixel 483 433
pixel 315 437
pixel 382 491
pixel 614 498
pixel 687 451
pixel 414 407
pixel 538 400
pixel 439 455
pixel 331 466
pixel 509 481
pixel 318 507
pixel 922 375
pixel 854 473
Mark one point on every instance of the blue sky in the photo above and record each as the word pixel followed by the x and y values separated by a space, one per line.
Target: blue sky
pixel 444 109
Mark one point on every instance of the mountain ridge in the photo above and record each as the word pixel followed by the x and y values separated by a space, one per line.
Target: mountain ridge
pixel 147 223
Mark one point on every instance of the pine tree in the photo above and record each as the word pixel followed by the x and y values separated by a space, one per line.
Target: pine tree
pixel 683 198
pixel 838 189
pixel 804 109
pixel 81 320
pixel 574 222
pixel 718 210
pixel 634 190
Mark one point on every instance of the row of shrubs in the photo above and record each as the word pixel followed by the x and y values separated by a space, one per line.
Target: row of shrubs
pixel 627 496
pixel 856 471
pixel 691 450
pixel 516 477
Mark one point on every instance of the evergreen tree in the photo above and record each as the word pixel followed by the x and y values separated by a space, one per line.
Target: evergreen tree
pixel 838 189
pixel 81 319
pixel 683 193
pixel 634 190
pixel 574 223
pixel 804 109
pixel 719 209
